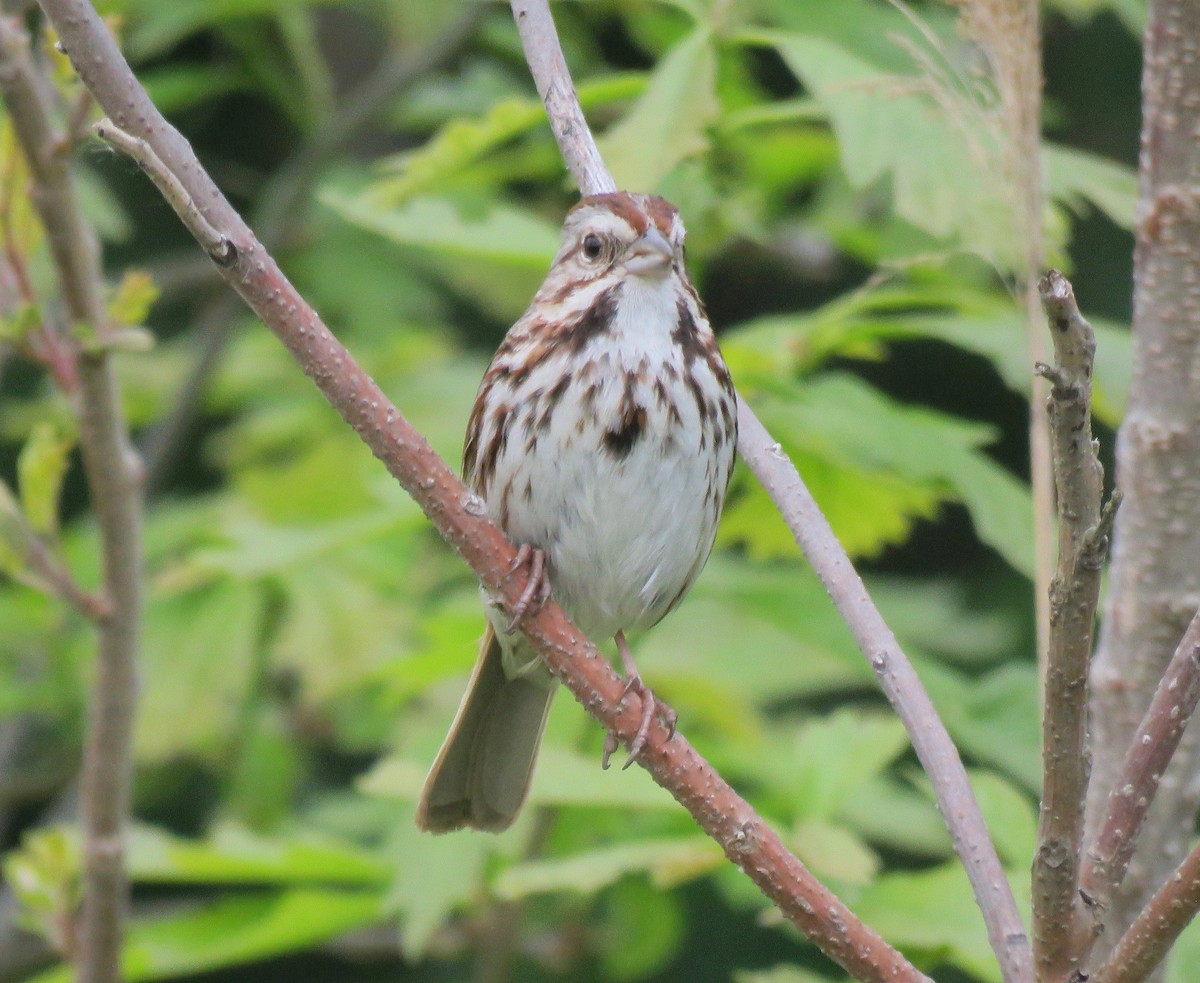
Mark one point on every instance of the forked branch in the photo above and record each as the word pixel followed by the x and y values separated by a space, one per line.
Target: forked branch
pixel 1154 744
pixel 1157 928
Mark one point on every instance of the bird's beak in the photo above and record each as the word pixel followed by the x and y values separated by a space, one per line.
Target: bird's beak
pixel 651 255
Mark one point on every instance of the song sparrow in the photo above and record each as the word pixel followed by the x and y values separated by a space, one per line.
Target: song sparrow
pixel 602 440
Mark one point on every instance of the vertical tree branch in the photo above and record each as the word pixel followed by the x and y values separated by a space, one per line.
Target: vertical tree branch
pixel 1082 546
pixel 459 515
pixel 1154 583
pixel 815 537
pixel 113 475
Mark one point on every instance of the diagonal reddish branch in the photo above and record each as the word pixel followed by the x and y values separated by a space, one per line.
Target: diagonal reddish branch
pixel 815 537
pixel 1157 928
pixel 457 513
pixel 1153 746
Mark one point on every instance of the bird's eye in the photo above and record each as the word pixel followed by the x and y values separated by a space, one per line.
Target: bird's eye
pixel 592 246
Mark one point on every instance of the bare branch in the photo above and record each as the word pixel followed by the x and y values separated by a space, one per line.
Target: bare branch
pixel 552 77
pixel 461 518
pixel 1157 928
pixel 1107 859
pixel 1074 592
pixel 902 687
pixel 113 475
pixel 816 539
pixel 220 250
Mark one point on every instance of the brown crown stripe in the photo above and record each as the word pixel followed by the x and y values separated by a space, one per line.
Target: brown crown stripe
pixel 638 210
pixel 662 213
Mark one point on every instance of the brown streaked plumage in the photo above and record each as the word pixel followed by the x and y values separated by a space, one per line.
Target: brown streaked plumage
pixel 602 441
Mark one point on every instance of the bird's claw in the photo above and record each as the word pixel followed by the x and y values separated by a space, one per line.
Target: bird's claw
pixel 633 683
pixel 537 587
pixel 649 705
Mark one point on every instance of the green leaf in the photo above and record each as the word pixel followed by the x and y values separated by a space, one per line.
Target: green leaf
pixel 668 122
pixel 896 816
pixel 434 875
pixel 835 754
pixel 41 467
pixel 933 912
pixel 935 617
pixel 995 717
pixel 1185 956
pixel 497 255
pixel 14 534
pixel 857 325
pixel 778 612
pixel 235 856
pixel 668 861
pixel 781 974
pixel 1074 176
pixel 1010 815
pixel 869 509
pixel 843 418
pixel 237 930
pixel 44 876
pixel 943 161
pixel 639 930
pixel 157 27
pixel 834 853
pixel 199 661
pixel 462 141
pixel 132 299
pixel 176 87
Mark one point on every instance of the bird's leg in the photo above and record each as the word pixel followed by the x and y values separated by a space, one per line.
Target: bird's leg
pixel 537 586
pixel 633 682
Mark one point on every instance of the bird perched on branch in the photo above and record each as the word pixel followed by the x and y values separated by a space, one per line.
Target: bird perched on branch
pixel 602 440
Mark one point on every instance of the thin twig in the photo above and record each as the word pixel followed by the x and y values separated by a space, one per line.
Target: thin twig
pixel 1083 531
pixel 283 208
pixel 219 249
pixel 1107 859
pixel 1155 931
pixel 461 518
pixel 902 687
pixel 60 582
pixel 816 539
pixel 113 476
pixel 552 77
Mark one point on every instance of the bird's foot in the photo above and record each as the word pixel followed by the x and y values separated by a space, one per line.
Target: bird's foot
pixel 634 684
pixel 537 585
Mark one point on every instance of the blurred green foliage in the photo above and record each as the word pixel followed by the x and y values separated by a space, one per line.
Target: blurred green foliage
pixel 307 636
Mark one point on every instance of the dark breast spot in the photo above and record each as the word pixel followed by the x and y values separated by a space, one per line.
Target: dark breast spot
pixel 621 440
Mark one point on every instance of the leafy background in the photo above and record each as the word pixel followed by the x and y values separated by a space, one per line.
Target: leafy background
pixel 307 636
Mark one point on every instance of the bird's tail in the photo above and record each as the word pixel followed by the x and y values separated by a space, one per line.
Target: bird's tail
pixel 481 775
